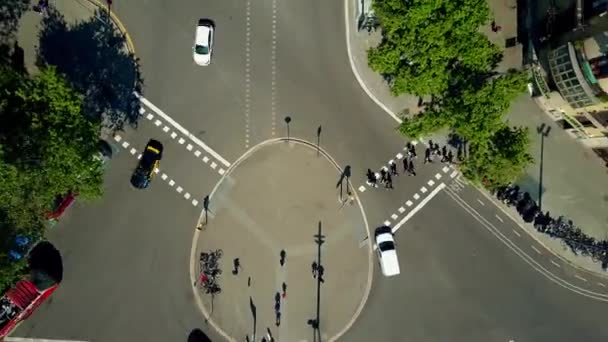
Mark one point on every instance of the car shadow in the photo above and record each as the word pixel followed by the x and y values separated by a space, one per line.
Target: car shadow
pixel 92 55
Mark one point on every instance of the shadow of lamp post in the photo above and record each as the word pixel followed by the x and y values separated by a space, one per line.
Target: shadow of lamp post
pixel 543 130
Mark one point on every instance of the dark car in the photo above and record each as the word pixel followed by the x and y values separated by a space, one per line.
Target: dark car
pixel 150 159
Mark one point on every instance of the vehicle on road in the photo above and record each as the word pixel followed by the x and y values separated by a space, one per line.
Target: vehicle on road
pixel 203 42
pixel 148 163
pixel 387 254
pixel 20 301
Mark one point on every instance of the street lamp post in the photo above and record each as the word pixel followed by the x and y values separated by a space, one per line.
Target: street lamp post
pixel 543 130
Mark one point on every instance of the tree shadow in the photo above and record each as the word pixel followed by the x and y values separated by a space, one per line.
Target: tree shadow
pixel 10 13
pixel 93 57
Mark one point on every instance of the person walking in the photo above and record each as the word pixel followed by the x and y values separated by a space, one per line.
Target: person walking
pixel 382 176
pixel 314 269
pixel 411 168
pixel 405 169
pixel 450 157
pixel 412 150
pixel 427 155
pixel 394 168
pixel 389 181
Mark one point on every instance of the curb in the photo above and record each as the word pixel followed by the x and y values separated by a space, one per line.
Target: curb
pixel 116 21
pixel 243 157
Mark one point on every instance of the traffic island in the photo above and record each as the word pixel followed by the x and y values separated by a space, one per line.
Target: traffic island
pixel 265 216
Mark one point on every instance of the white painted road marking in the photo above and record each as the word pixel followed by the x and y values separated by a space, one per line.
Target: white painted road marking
pixel 149 116
pixel 187 195
pixel 172 182
pixel 438 176
pixel 164 176
pixel 387 223
pixel 419 206
pixel 394 216
pixel 194 202
pixel 516 233
pixel 158 122
pixel 117 138
pixel 361 188
pixel 173 135
pixel 205 159
pixel 499 218
pixel 601 284
pixel 536 249
pixel 453 174
pixel 182 129
pixel 179 189
pixel 213 165
pixel 189 147
pixel 125 144
pixel 554 263
pixel 423 190
pixel 431 183
pixel 221 171
pixel 133 151
pixel 579 277
pixel 181 141
pixel 399 156
pixel 409 203
pixel 402 210
pixel 197 153
pixel 166 129
pixel 416 196
pixel 445 169
pixel 481 202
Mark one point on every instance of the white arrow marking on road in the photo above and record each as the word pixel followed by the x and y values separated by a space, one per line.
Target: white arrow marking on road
pixel 419 206
pixel 182 129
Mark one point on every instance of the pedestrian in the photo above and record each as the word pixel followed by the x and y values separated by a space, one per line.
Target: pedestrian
pixel 284 290
pixel 277 299
pixel 370 176
pixel 237 265
pixel 283 254
pixel 450 157
pixel 394 168
pixel 389 181
pixel 383 176
pixel 413 151
pixel 278 318
pixel 411 168
pixel 444 150
pixel 405 169
pixel 436 149
pixel 427 155
pixel 314 269
pixel 420 101
pixel 269 336
pixel 277 306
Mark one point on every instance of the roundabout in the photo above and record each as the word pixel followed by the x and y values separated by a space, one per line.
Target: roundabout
pixel 266 212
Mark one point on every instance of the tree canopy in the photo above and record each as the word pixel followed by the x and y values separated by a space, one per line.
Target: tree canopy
pixel 47 149
pixel 425 42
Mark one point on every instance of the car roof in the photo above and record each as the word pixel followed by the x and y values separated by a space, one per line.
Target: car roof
pixel 389 263
pixel 383 229
pixel 202 34
pixel 155 144
pixel 385 237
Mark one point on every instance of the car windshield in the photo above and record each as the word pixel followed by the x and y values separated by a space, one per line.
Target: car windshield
pixel 386 246
pixel 147 160
pixel 201 49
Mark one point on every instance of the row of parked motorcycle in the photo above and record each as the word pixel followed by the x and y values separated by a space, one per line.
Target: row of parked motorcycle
pixel 561 228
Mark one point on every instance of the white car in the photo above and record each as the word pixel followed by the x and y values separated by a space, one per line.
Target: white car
pixel 203 42
pixel 387 254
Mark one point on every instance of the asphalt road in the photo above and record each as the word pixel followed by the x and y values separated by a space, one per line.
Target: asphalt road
pixel 126 256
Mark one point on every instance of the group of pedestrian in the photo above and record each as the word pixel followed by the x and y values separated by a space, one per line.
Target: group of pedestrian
pixel 386 175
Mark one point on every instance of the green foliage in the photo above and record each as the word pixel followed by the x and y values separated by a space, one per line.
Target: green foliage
pixel 425 42
pixel 501 160
pixel 47 149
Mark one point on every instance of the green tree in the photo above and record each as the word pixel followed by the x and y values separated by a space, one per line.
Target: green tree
pixel 424 42
pixel 501 160
pixel 47 146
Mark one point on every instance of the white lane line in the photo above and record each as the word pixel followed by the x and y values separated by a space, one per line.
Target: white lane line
pixel 166 129
pixel 158 123
pixel 438 176
pixel 481 202
pixel 197 153
pixel 181 141
pixel 453 174
pixel 187 195
pixel 117 138
pixel 401 210
pixel 579 277
pixel 387 223
pixel 182 129
pixel 409 203
pixel 419 206
pixel 205 159
pixel 194 202
pixel 536 250
pixel 555 264
pixel 516 233
pixel 394 216
pixel 189 147
pixel 164 176
pixel 171 182
pixel 179 189
pixel 133 151
pixel 213 165
pixel 445 169
pixel 499 218
pixel 221 171
pixel 601 284
pixel 423 190
pixel 149 116
pixel 416 196
pixel 361 188
pixel 139 156
pixel 125 144
pixel 173 135
pixel 431 183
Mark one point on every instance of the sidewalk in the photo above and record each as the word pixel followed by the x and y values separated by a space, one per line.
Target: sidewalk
pixel 274 200
pixel 575 183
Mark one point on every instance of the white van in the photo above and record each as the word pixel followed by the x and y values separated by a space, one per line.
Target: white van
pixel 387 254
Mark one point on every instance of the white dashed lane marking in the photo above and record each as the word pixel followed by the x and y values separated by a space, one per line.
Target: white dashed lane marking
pixel 555 264
pixel 601 284
pixel 149 116
pixel 158 122
pixel 409 203
pixel 516 233
pixel 394 216
pixel 197 153
pixel 423 190
pixel 481 202
pixel 499 218
pixel 416 197
pixel 401 210
pixel 166 129
pixel 438 176
pixel 430 183
pixel 173 135
pixel 387 223
pixel 453 174
pixel 163 176
pixel 580 278
pixel 536 250
pixel 181 141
